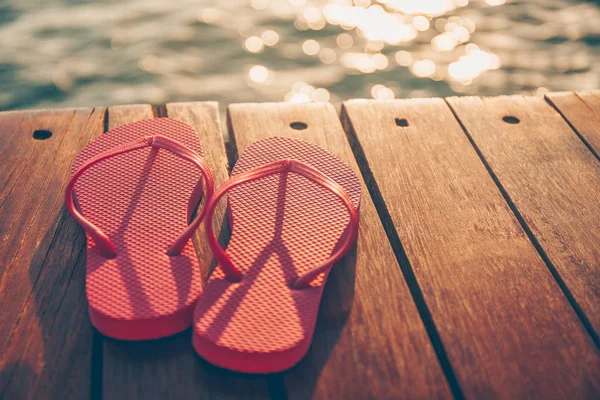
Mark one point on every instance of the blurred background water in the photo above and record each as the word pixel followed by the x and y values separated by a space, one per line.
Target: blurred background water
pixel 58 53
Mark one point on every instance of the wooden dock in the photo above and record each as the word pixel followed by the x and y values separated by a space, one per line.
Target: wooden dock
pixel 476 273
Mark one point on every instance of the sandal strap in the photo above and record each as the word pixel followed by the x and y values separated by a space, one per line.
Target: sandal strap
pixel 284 166
pixel 104 245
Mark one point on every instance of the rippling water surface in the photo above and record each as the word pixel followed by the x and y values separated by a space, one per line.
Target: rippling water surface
pixel 85 53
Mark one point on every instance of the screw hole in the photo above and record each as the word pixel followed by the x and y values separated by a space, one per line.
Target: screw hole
pixel 401 122
pixel 299 126
pixel 42 134
pixel 509 119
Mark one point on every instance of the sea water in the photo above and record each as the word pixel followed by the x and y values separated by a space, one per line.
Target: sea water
pixel 63 53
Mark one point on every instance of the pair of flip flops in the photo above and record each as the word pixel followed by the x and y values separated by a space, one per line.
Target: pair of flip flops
pixel 293 211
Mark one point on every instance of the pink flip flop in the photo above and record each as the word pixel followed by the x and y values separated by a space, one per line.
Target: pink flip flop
pixel 138 185
pixel 293 208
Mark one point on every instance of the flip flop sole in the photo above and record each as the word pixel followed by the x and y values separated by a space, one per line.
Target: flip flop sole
pixel 141 201
pixel 282 227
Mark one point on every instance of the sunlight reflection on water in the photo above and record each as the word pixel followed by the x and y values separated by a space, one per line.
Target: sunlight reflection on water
pixel 74 53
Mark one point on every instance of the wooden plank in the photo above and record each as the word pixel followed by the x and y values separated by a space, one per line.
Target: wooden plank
pixel 45 334
pixel 582 112
pixel 554 182
pixel 125 114
pixel 169 368
pixel 369 341
pixel 507 327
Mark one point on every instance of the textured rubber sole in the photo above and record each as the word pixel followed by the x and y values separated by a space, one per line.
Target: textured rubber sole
pixel 141 200
pixel 282 226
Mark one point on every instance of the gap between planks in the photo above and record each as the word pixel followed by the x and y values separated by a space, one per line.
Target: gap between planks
pixel 582 112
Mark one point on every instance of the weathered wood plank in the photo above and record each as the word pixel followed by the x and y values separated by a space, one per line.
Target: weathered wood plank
pixel 45 334
pixel 582 111
pixel 554 182
pixel 169 368
pixel 507 328
pixel 369 340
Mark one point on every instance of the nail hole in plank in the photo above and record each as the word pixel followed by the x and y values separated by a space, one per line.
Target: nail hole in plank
pixel 299 126
pixel 509 119
pixel 42 134
pixel 401 122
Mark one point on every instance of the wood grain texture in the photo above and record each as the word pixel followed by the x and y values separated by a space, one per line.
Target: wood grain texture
pixel 582 111
pixel 169 368
pixel 507 328
pixel 369 342
pixel 554 182
pixel 45 334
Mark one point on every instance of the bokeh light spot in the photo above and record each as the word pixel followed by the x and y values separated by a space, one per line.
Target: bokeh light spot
pixel 259 4
pixel 311 47
pixel 403 58
pixel 258 74
pixel 423 68
pixel 254 44
pixel 327 56
pixel 344 40
pixel 421 23
pixel 270 38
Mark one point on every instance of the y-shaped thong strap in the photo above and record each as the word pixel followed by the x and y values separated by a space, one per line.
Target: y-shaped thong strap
pixel 103 243
pixel 283 166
